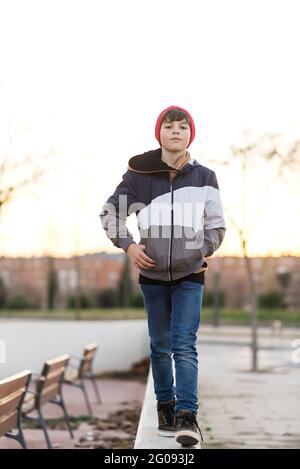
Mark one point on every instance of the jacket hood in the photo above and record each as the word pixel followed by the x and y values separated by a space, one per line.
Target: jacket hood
pixel 150 162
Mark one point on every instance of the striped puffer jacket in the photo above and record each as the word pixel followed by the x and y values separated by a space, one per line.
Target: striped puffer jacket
pixel 180 220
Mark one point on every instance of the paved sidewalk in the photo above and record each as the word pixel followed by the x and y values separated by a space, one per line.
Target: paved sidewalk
pixel 238 408
pixel 267 336
pixel 118 395
pixel 241 409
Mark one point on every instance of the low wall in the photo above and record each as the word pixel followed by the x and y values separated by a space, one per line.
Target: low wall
pixel 27 343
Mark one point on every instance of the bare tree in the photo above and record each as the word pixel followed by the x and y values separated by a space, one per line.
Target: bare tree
pixel 82 184
pixel 18 175
pixel 277 159
pixel 25 173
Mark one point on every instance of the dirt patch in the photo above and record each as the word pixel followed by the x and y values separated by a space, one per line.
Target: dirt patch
pixel 117 431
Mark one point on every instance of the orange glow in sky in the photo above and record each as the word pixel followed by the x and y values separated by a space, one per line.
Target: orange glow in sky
pixel 88 79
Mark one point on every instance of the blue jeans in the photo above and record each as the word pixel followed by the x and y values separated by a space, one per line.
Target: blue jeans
pixel 173 314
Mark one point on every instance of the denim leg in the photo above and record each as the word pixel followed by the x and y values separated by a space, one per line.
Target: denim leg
pixel 186 313
pixel 157 301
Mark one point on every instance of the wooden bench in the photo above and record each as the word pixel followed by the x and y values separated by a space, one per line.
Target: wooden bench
pixel 12 394
pixel 76 374
pixel 48 389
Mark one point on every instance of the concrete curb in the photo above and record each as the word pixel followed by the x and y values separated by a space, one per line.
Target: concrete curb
pixel 147 436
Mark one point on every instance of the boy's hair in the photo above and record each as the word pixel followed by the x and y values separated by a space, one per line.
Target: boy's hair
pixel 175 115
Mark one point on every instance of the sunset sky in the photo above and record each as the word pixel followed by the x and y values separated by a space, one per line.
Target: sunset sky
pixel 87 79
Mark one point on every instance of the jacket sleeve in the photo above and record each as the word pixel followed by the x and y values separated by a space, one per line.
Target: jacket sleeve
pixel 214 222
pixel 116 210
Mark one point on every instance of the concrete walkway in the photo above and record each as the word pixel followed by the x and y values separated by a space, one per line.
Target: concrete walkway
pixel 147 435
pixel 242 409
pixel 238 408
pixel 117 395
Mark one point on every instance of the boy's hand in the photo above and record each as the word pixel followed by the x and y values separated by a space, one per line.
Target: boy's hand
pixel 138 257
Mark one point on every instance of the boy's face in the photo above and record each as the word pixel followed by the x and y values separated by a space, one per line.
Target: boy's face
pixel 175 136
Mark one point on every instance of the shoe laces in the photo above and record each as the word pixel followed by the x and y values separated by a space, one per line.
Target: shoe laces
pixel 190 418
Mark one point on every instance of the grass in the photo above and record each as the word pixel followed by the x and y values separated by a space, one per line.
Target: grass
pixel 227 315
pixel 91 313
pixel 60 423
pixel 265 316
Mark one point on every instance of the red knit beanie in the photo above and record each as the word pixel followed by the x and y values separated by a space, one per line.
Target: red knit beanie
pixel 161 117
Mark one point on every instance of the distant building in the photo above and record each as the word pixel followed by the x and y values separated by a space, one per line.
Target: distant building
pixel 29 277
pixel 234 281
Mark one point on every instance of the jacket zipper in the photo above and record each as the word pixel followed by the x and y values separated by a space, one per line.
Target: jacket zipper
pixel 171 237
pixel 172 223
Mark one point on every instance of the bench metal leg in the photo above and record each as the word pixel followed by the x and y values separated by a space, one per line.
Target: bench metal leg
pixel 95 384
pixel 67 418
pixel 88 404
pixel 43 425
pixel 61 403
pixel 21 438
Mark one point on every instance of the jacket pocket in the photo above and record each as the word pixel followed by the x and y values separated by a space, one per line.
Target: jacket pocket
pixel 184 254
pixel 158 250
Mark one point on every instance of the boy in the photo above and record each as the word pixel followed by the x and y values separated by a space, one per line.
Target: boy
pixel 181 222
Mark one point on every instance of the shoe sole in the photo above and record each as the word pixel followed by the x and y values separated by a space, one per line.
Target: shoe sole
pixel 187 438
pixel 166 433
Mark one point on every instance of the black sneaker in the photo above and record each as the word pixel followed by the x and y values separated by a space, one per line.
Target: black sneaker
pixel 166 418
pixel 188 432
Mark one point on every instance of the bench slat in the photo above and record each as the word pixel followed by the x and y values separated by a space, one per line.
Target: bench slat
pixel 56 363
pixel 8 422
pixel 11 403
pixel 13 383
pixel 48 394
